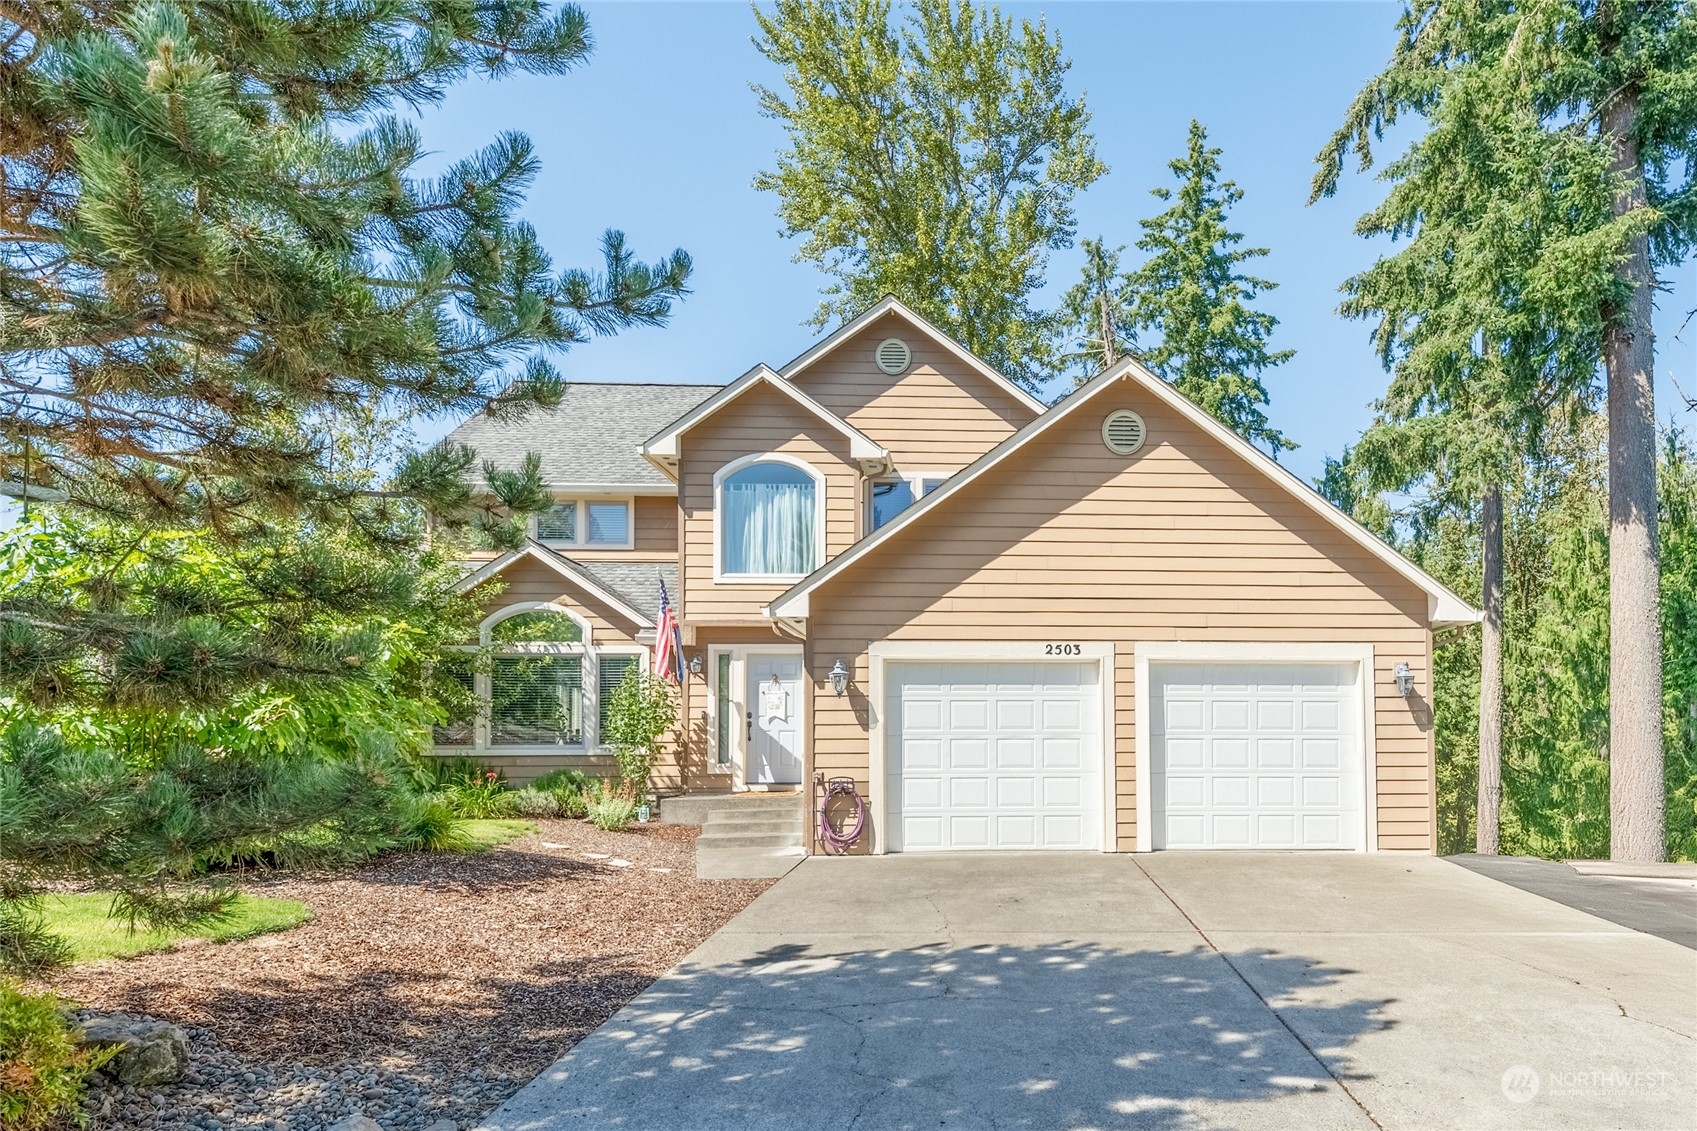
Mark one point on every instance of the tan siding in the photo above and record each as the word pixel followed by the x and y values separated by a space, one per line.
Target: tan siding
pixel 1183 541
pixel 939 415
pixel 761 420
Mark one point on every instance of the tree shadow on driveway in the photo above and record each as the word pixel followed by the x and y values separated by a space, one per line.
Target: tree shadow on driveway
pixel 1063 1035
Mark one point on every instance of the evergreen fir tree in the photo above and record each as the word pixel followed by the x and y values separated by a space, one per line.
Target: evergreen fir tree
pixel 1605 113
pixel 1096 313
pixel 1191 311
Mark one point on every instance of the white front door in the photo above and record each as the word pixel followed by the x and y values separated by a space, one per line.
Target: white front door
pixel 1256 755
pixel 773 706
pixel 993 755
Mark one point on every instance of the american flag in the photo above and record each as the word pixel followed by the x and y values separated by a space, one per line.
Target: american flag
pixel 668 641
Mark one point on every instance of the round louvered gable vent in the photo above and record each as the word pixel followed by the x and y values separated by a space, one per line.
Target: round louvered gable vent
pixel 892 355
pixel 1123 431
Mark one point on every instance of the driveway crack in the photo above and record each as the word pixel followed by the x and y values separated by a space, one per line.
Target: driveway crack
pixel 1250 986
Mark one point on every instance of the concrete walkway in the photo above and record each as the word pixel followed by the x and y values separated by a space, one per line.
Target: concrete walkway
pixel 1175 990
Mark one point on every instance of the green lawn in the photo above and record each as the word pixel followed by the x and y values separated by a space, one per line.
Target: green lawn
pixel 83 922
pixel 485 835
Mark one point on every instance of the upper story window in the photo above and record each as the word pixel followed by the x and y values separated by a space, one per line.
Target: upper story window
pixel 604 523
pixel 769 519
pixel 890 497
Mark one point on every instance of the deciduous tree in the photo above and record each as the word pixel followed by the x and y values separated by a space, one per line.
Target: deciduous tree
pixel 935 160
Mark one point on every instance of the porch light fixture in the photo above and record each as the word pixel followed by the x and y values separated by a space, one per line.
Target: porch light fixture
pixel 1404 680
pixel 695 664
pixel 839 678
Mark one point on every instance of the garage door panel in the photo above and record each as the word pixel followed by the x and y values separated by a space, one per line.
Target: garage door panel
pixel 1016 766
pixel 1256 755
pixel 922 754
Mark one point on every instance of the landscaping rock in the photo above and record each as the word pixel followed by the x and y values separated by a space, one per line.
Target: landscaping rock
pixel 443 1125
pixel 150 1053
pixel 356 1123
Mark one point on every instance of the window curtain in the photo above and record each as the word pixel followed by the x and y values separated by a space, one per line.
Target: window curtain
pixel 768 512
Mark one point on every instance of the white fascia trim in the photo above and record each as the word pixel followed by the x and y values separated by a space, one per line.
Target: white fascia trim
pixel 883 652
pixel 614 489
pixel 889 304
pixel 664 445
pixel 1146 652
pixel 554 562
pixel 1444 608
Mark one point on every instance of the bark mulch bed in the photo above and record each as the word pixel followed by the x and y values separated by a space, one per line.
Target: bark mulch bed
pixel 494 963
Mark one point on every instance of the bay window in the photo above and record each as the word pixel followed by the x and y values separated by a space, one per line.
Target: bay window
pixel 769 520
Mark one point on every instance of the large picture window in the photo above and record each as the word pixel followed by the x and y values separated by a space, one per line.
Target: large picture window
pixel 768 521
pixel 539 685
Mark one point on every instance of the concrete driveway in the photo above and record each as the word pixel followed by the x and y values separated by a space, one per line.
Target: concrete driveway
pixel 1174 990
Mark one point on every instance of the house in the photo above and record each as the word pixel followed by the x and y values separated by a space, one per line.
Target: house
pixel 1108 624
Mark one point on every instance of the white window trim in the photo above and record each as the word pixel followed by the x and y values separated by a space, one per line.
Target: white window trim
pixel 882 653
pixel 591 676
pixel 736 765
pixel 915 481
pixel 1167 651
pixel 720 577
pixel 580 524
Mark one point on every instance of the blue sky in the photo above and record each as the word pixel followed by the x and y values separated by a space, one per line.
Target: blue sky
pixel 659 136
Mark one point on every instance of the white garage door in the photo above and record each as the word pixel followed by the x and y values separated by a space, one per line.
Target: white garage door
pixel 1256 756
pixel 993 755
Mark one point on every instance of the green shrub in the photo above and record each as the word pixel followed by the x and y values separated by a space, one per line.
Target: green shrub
pixel 639 710
pixel 567 786
pixel 573 803
pixel 431 826
pixel 610 807
pixel 433 775
pixel 535 803
pixel 480 796
pixel 43 1070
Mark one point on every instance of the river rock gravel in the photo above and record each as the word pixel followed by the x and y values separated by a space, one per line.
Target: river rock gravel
pixel 426 988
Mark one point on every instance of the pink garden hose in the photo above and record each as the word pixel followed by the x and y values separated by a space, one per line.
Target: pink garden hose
pixel 838 840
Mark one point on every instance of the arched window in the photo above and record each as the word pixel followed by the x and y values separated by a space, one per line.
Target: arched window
pixel 541 684
pixel 768 518
pixel 535 677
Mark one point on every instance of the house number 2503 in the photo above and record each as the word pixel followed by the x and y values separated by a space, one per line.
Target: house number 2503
pixel 1063 649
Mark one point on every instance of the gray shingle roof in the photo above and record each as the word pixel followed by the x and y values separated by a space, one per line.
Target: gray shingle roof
pixel 636 582
pixel 593 438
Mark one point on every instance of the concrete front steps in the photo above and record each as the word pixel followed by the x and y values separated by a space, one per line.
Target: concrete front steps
pixel 744 836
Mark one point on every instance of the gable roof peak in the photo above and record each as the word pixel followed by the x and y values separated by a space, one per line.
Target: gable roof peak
pixel 890 304
pixel 662 447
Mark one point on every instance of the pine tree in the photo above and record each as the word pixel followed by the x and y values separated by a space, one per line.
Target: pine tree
pixel 1609 118
pixel 936 161
pixel 214 252
pixel 1191 312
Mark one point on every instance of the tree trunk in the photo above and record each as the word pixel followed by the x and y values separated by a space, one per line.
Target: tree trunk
pixel 1110 337
pixel 1636 797
pixel 1491 678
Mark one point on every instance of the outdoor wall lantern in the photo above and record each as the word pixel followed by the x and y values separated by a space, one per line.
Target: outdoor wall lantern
pixel 1404 680
pixel 839 678
pixel 695 664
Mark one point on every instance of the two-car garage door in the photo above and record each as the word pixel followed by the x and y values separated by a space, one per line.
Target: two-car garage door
pixel 1005 754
